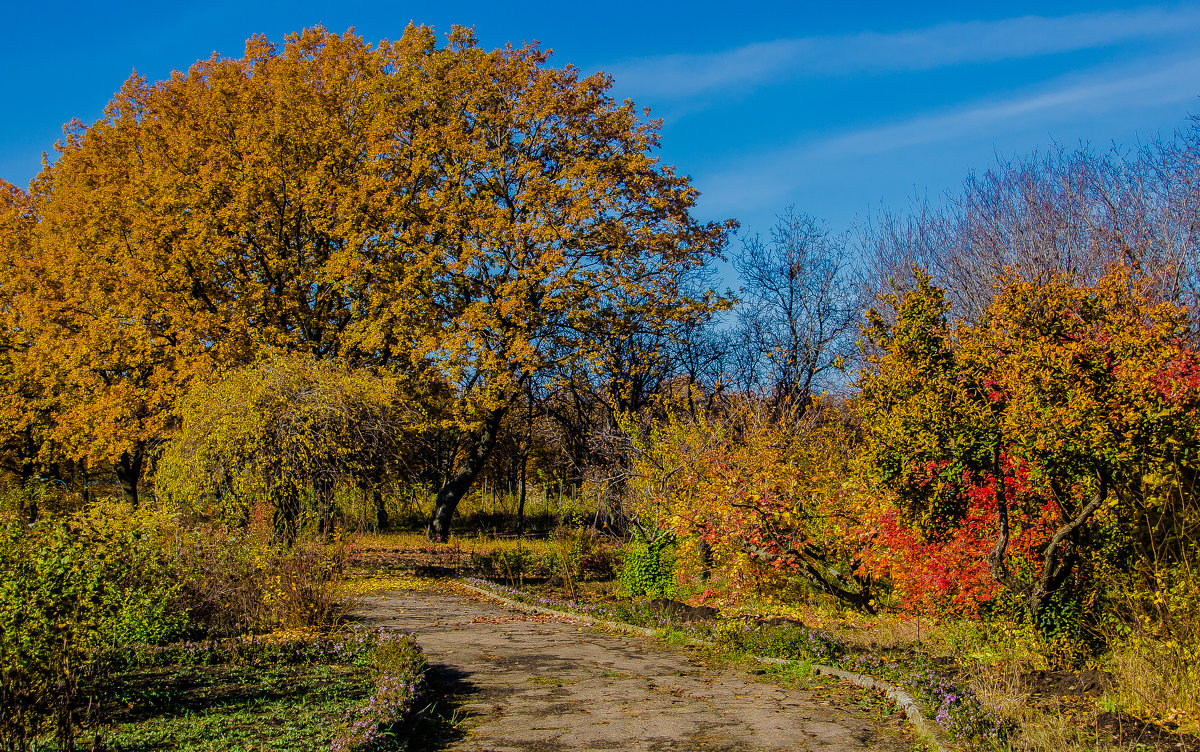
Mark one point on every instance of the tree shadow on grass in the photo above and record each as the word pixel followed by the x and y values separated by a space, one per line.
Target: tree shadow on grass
pixel 226 706
pixel 444 719
pixel 172 691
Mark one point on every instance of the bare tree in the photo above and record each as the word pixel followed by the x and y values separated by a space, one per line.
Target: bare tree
pixel 1149 209
pixel 1070 211
pixel 799 311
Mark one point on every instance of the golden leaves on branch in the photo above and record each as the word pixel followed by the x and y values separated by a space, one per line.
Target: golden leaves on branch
pixel 443 212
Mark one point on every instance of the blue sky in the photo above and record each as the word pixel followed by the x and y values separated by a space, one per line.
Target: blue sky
pixel 836 108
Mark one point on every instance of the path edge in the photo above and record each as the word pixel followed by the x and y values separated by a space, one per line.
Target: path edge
pixel 892 692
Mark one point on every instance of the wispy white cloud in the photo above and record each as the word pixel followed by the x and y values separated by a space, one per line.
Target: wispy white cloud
pixel 1175 82
pixel 681 76
pixel 767 177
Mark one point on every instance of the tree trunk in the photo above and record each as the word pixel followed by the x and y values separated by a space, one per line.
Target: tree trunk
pixel 31 511
pixel 129 471
pixel 706 561
pixel 521 498
pixel 285 517
pixel 849 588
pixel 325 512
pixel 27 460
pixel 381 515
pixel 460 482
pixel 1056 567
pixel 85 483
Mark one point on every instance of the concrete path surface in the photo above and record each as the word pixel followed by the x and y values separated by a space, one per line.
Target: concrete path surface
pixel 542 684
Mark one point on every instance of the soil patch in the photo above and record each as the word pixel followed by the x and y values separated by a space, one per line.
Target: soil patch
pixel 1090 683
pixel 1130 732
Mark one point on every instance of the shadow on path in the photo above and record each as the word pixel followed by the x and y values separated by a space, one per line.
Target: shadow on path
pixel 441 724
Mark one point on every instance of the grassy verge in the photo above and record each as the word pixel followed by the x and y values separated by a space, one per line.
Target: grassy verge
pixel 340 691
pixel 235 707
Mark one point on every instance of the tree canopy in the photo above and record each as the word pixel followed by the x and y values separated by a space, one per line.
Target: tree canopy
pixel 473 217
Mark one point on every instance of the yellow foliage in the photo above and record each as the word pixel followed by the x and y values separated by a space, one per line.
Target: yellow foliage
pixel 454 215
pixel 765 495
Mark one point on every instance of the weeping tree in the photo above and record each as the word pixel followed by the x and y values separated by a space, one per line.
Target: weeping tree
pixel 288 428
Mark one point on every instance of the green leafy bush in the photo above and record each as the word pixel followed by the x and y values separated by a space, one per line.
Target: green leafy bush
pixel 70 590
pixel 648 568
pixel 76 591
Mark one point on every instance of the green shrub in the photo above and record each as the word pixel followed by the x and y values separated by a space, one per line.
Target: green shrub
pixel 648 568
pixel 75 590
pixel 70 590
pixel 1061 629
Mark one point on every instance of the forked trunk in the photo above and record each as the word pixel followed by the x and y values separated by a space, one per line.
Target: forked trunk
pixel 129 471
pixel 1056 565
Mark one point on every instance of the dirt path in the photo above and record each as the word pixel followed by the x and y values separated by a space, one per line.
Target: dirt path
pixel 535 683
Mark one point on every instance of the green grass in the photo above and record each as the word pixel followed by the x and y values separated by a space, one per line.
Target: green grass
pixel 799 673
pixel 228 707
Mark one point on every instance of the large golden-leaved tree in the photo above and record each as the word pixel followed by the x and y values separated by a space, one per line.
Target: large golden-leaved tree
pixel 22 409
pixel 201 220
pixel 557 231
pixel 443 212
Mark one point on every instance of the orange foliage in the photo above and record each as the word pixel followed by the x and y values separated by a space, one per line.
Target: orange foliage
pixel 445 212
pixel 768 497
